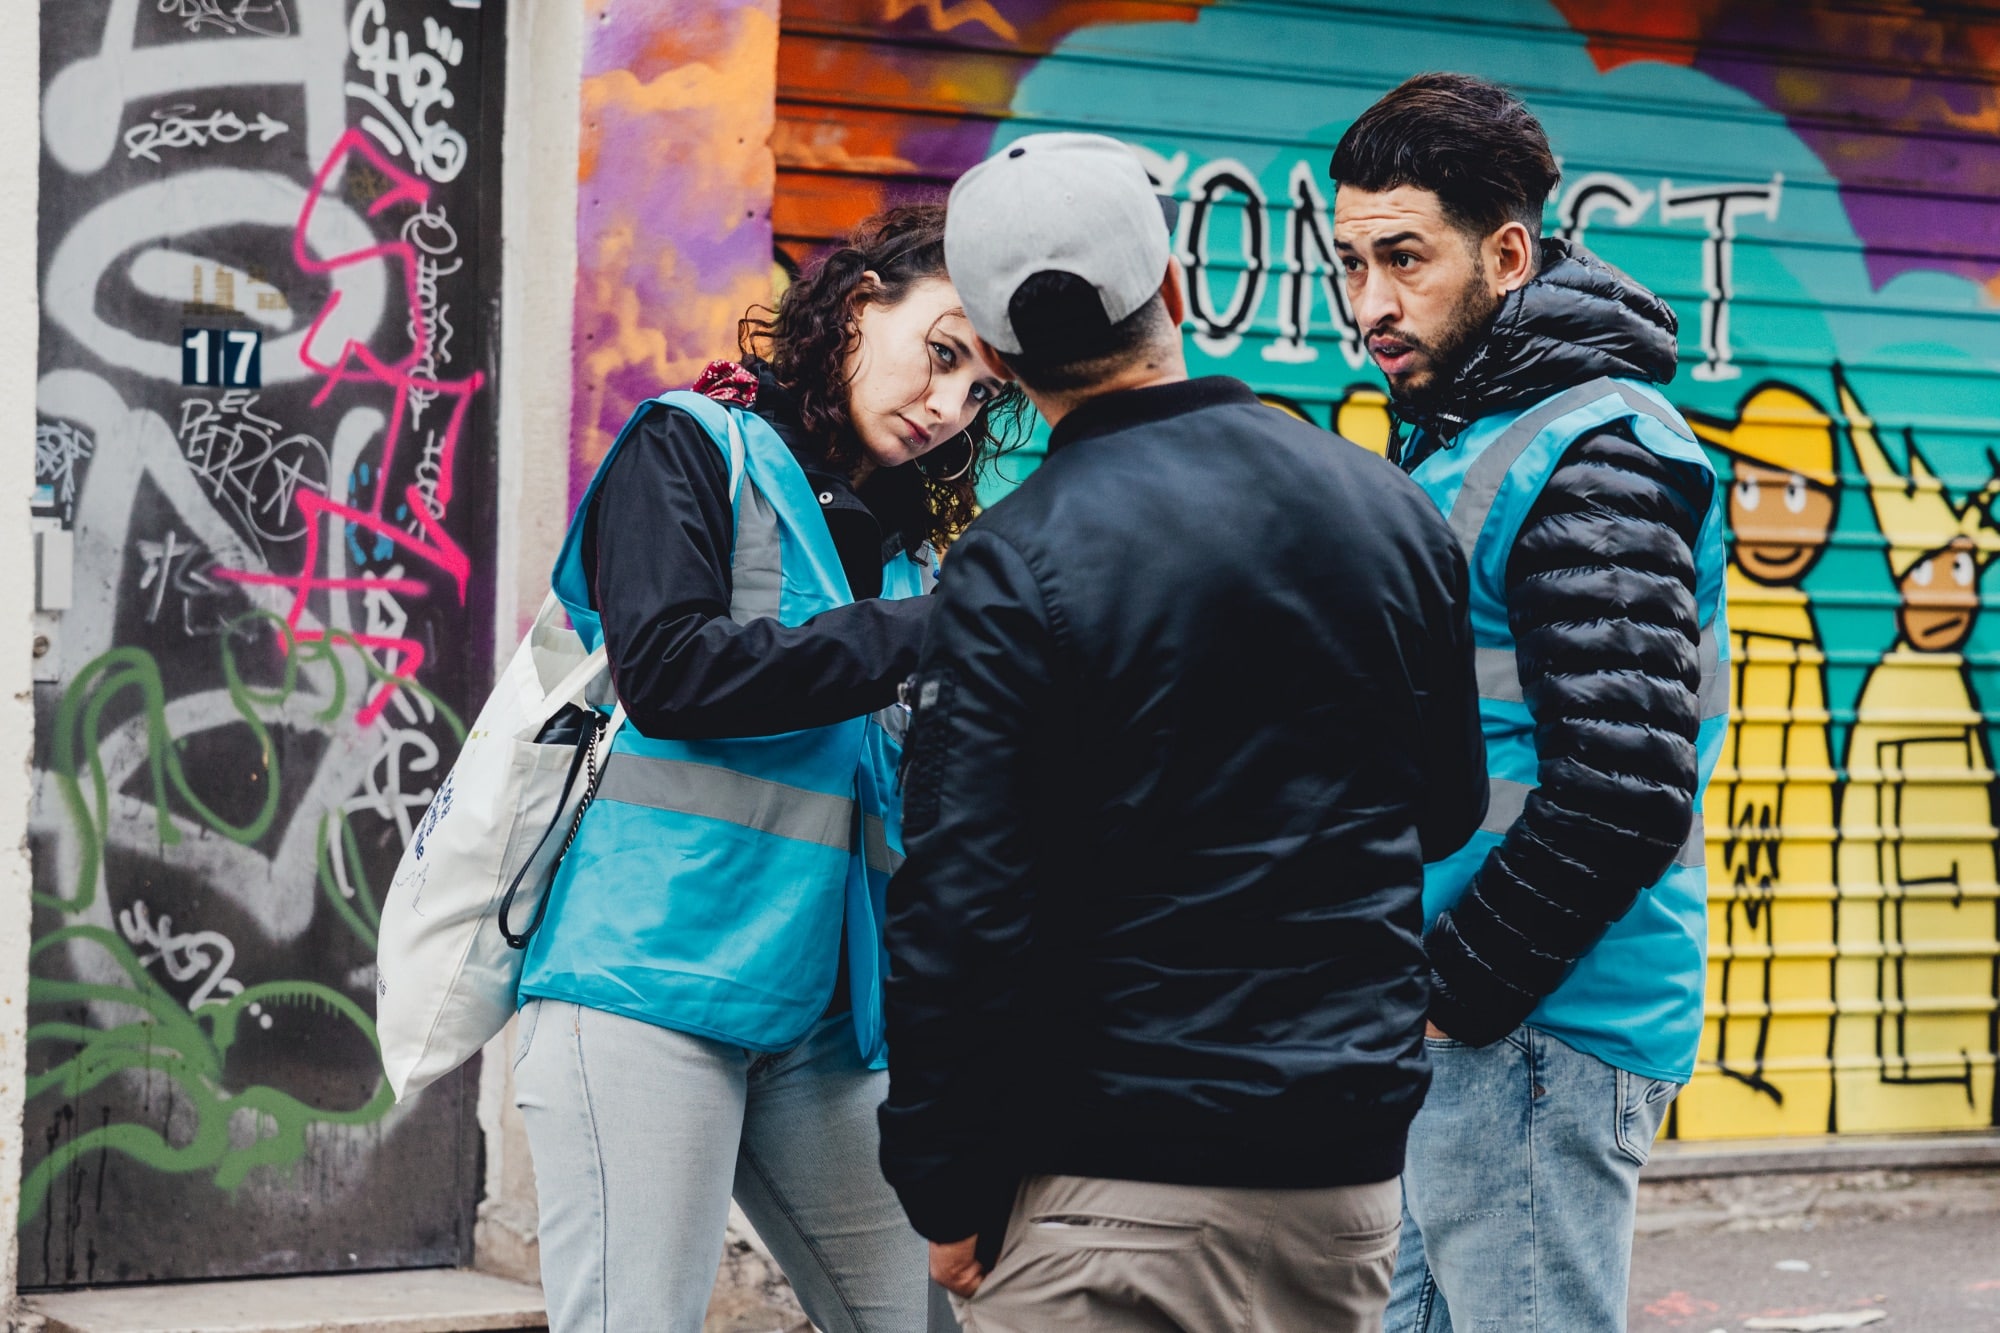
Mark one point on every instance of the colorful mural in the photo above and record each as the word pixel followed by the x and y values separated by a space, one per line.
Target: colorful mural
pixel 673 201
pixel 1814 190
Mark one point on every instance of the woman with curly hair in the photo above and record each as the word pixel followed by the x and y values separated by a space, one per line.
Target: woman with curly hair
pixel 701 1002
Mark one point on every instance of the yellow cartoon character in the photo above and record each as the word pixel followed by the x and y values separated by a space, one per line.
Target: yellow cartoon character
pixel 1362 415
pixel 1770 808
pixel 1914 1036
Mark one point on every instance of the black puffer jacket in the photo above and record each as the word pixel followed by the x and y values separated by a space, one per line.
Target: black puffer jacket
pixel 1600 596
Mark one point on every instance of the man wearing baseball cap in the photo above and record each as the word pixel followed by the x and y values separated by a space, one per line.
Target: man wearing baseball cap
pixel 1197 704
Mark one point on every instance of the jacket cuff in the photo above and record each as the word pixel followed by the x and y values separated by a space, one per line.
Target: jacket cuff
pixel 954 1204
pixel 1468 1002
pixel 1475 1025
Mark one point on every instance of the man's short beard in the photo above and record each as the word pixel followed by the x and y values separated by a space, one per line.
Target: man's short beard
pixel 1453 346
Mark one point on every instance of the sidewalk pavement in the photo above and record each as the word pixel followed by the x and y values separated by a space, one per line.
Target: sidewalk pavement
pixel 1937 1274
pixel 1898 1251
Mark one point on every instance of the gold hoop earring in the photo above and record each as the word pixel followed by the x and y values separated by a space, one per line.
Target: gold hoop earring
pixel 971 457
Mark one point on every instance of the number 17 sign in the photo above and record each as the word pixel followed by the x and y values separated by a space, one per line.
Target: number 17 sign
pixel 226 358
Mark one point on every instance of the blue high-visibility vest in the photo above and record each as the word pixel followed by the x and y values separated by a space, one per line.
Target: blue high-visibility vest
pixel 709 881
pixel 1635 1000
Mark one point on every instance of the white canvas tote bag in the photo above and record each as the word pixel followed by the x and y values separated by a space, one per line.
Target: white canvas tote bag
pixel 445 970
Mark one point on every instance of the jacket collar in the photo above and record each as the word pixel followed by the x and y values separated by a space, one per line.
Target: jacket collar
pixel 838 500
pixel 1138 407
pixel 1577 320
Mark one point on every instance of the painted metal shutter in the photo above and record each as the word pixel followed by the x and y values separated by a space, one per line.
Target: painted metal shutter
pixel 1812 187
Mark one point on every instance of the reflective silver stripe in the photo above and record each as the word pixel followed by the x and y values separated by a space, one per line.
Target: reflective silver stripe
pixel 1639 402
pixel 1504 803
pixel 1714 680
pixel 875 846
pixel 1694 852
pixel 755 576
pixel 1499 674
pixel 737 798
pixel 1489 470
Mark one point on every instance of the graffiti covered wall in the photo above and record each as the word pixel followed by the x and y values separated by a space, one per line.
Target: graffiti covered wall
pixel 1813 188
pixel 265 512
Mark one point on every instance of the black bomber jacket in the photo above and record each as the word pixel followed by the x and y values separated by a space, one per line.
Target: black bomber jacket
pixel 1196 705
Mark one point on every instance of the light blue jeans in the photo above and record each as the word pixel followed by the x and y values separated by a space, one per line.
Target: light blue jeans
pixel 641 1134
pixel 1519 1190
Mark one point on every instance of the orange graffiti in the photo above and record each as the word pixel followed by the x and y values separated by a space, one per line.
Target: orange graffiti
pixel 946 16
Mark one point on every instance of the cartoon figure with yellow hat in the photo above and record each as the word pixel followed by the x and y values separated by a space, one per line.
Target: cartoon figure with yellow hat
pixel 1914 1039
pixel 1770 807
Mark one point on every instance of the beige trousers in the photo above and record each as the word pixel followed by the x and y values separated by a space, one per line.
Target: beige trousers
pixel 1120 1256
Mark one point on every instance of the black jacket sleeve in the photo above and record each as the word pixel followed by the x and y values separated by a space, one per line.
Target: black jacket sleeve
pixel 663 537
pixel 960 907
pixel 1454 743
pixel 1601 600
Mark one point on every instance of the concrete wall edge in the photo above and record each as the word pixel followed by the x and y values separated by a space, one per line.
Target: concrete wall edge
pixel 20 161
pixel 537 302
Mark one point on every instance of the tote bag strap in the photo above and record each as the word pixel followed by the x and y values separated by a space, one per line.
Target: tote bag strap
pixel 569 687
pixel 591 755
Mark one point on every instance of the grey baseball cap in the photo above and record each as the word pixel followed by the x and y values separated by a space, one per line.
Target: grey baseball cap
pixel 1065 203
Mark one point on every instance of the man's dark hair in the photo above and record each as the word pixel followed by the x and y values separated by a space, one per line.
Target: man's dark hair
pixel 1471 143
pixel 1067 342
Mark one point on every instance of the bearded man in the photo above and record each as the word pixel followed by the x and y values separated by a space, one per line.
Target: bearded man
pixel 1567 940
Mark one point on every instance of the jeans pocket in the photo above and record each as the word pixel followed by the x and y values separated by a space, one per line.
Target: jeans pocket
pixel 1642 1109
pixel 526 1021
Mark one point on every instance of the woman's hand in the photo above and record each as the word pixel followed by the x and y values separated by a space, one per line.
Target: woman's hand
pixel 954 1268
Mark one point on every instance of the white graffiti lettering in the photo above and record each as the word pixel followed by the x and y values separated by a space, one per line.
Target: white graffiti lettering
pixel 176 564
pixel 1219 331
pixel 1718 207
pixel 181 127
pixel 59 447
pixel 184 957
pixel 384 792
pixel 1600 192
pixel 433 238
pixel 268 19
pixel 405 125
pixel 249 463
pixel 1310 261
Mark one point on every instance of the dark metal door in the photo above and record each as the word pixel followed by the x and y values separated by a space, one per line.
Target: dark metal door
pixel 265 515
